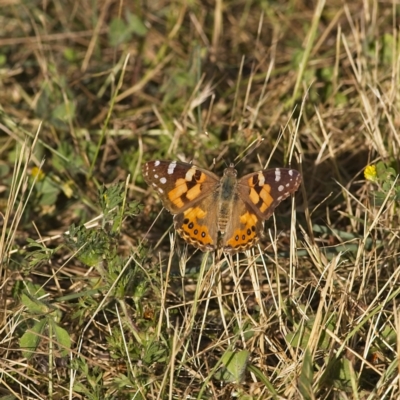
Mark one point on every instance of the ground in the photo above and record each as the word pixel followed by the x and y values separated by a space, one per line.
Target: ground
pixel 100 299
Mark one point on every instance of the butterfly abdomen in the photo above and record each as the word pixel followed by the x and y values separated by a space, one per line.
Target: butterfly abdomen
pixel 224 214
pixel 227 198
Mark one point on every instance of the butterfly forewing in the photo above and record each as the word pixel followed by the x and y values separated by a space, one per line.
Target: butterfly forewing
pixel 263 191
pixel 178 184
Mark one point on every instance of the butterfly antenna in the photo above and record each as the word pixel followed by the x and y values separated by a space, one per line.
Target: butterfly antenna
pixel 250 148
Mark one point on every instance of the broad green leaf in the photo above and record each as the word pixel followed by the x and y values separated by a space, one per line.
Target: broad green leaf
pixel 234 366
pixel 118 32
pixel 63 339
pixel 30 340
pixel 136 25
pixel 35 306
pixel 64 112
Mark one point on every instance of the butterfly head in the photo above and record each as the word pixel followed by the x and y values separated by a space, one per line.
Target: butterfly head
pixel 230 171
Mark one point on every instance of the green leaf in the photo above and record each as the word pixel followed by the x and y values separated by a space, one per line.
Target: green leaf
pixel 301 336
pixel 34 306
pixel 234 366
pixel 345 370
pixel 118 32
pixel 64 112
pixel 63 339
pixel 48 190
pixel 70 54
pixel 263 379
pixel 31 339
pixel 8 397
pixel 306 377
pixel 387 45
pixel 136 25
pixel 155 352
pixel 3 60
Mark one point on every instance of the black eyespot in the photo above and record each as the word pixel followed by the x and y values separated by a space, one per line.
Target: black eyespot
pixel 191 225
pixel 185 221
pixel 253 228
pixel 196 231
pixel 237 237
pixel 203 234
pixel 249 231
pixel 243 237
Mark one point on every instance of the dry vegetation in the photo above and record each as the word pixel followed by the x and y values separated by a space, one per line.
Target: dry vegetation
pixel 97 299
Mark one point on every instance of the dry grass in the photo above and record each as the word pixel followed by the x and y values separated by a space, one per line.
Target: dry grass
pixel 98 301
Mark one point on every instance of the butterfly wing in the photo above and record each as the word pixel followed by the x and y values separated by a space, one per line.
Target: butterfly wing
pixel 259 193
pixel 179 185
pixel 198 224
pixel 190 193
pixel 262 191
pixel 243 229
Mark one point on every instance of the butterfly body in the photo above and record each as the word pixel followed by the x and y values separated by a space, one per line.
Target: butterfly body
pixel 226 197
pixel 213 212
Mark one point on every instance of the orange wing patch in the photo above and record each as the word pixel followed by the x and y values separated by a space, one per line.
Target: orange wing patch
pixel 175 195
pixel 189 186
pixel 243 236
pixel 191 230
pixel 266 198
pixel 261 196
pixel 194 192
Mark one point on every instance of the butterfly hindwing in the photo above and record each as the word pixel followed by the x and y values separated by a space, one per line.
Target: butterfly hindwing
pixel 243 231
pixel 197 224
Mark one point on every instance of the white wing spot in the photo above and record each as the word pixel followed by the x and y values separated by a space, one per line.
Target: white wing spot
pixel 156 176
pixel 163 180
pixel 279 198
pixel 190 174
pixel 160 190
pixel 261 179
pixel 171 168
pixel 288 184
pixel 290 172
pixel 277 175
pixel 280 188
pixel 156 163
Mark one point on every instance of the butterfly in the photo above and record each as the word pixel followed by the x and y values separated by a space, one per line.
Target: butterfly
pixel 212 212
